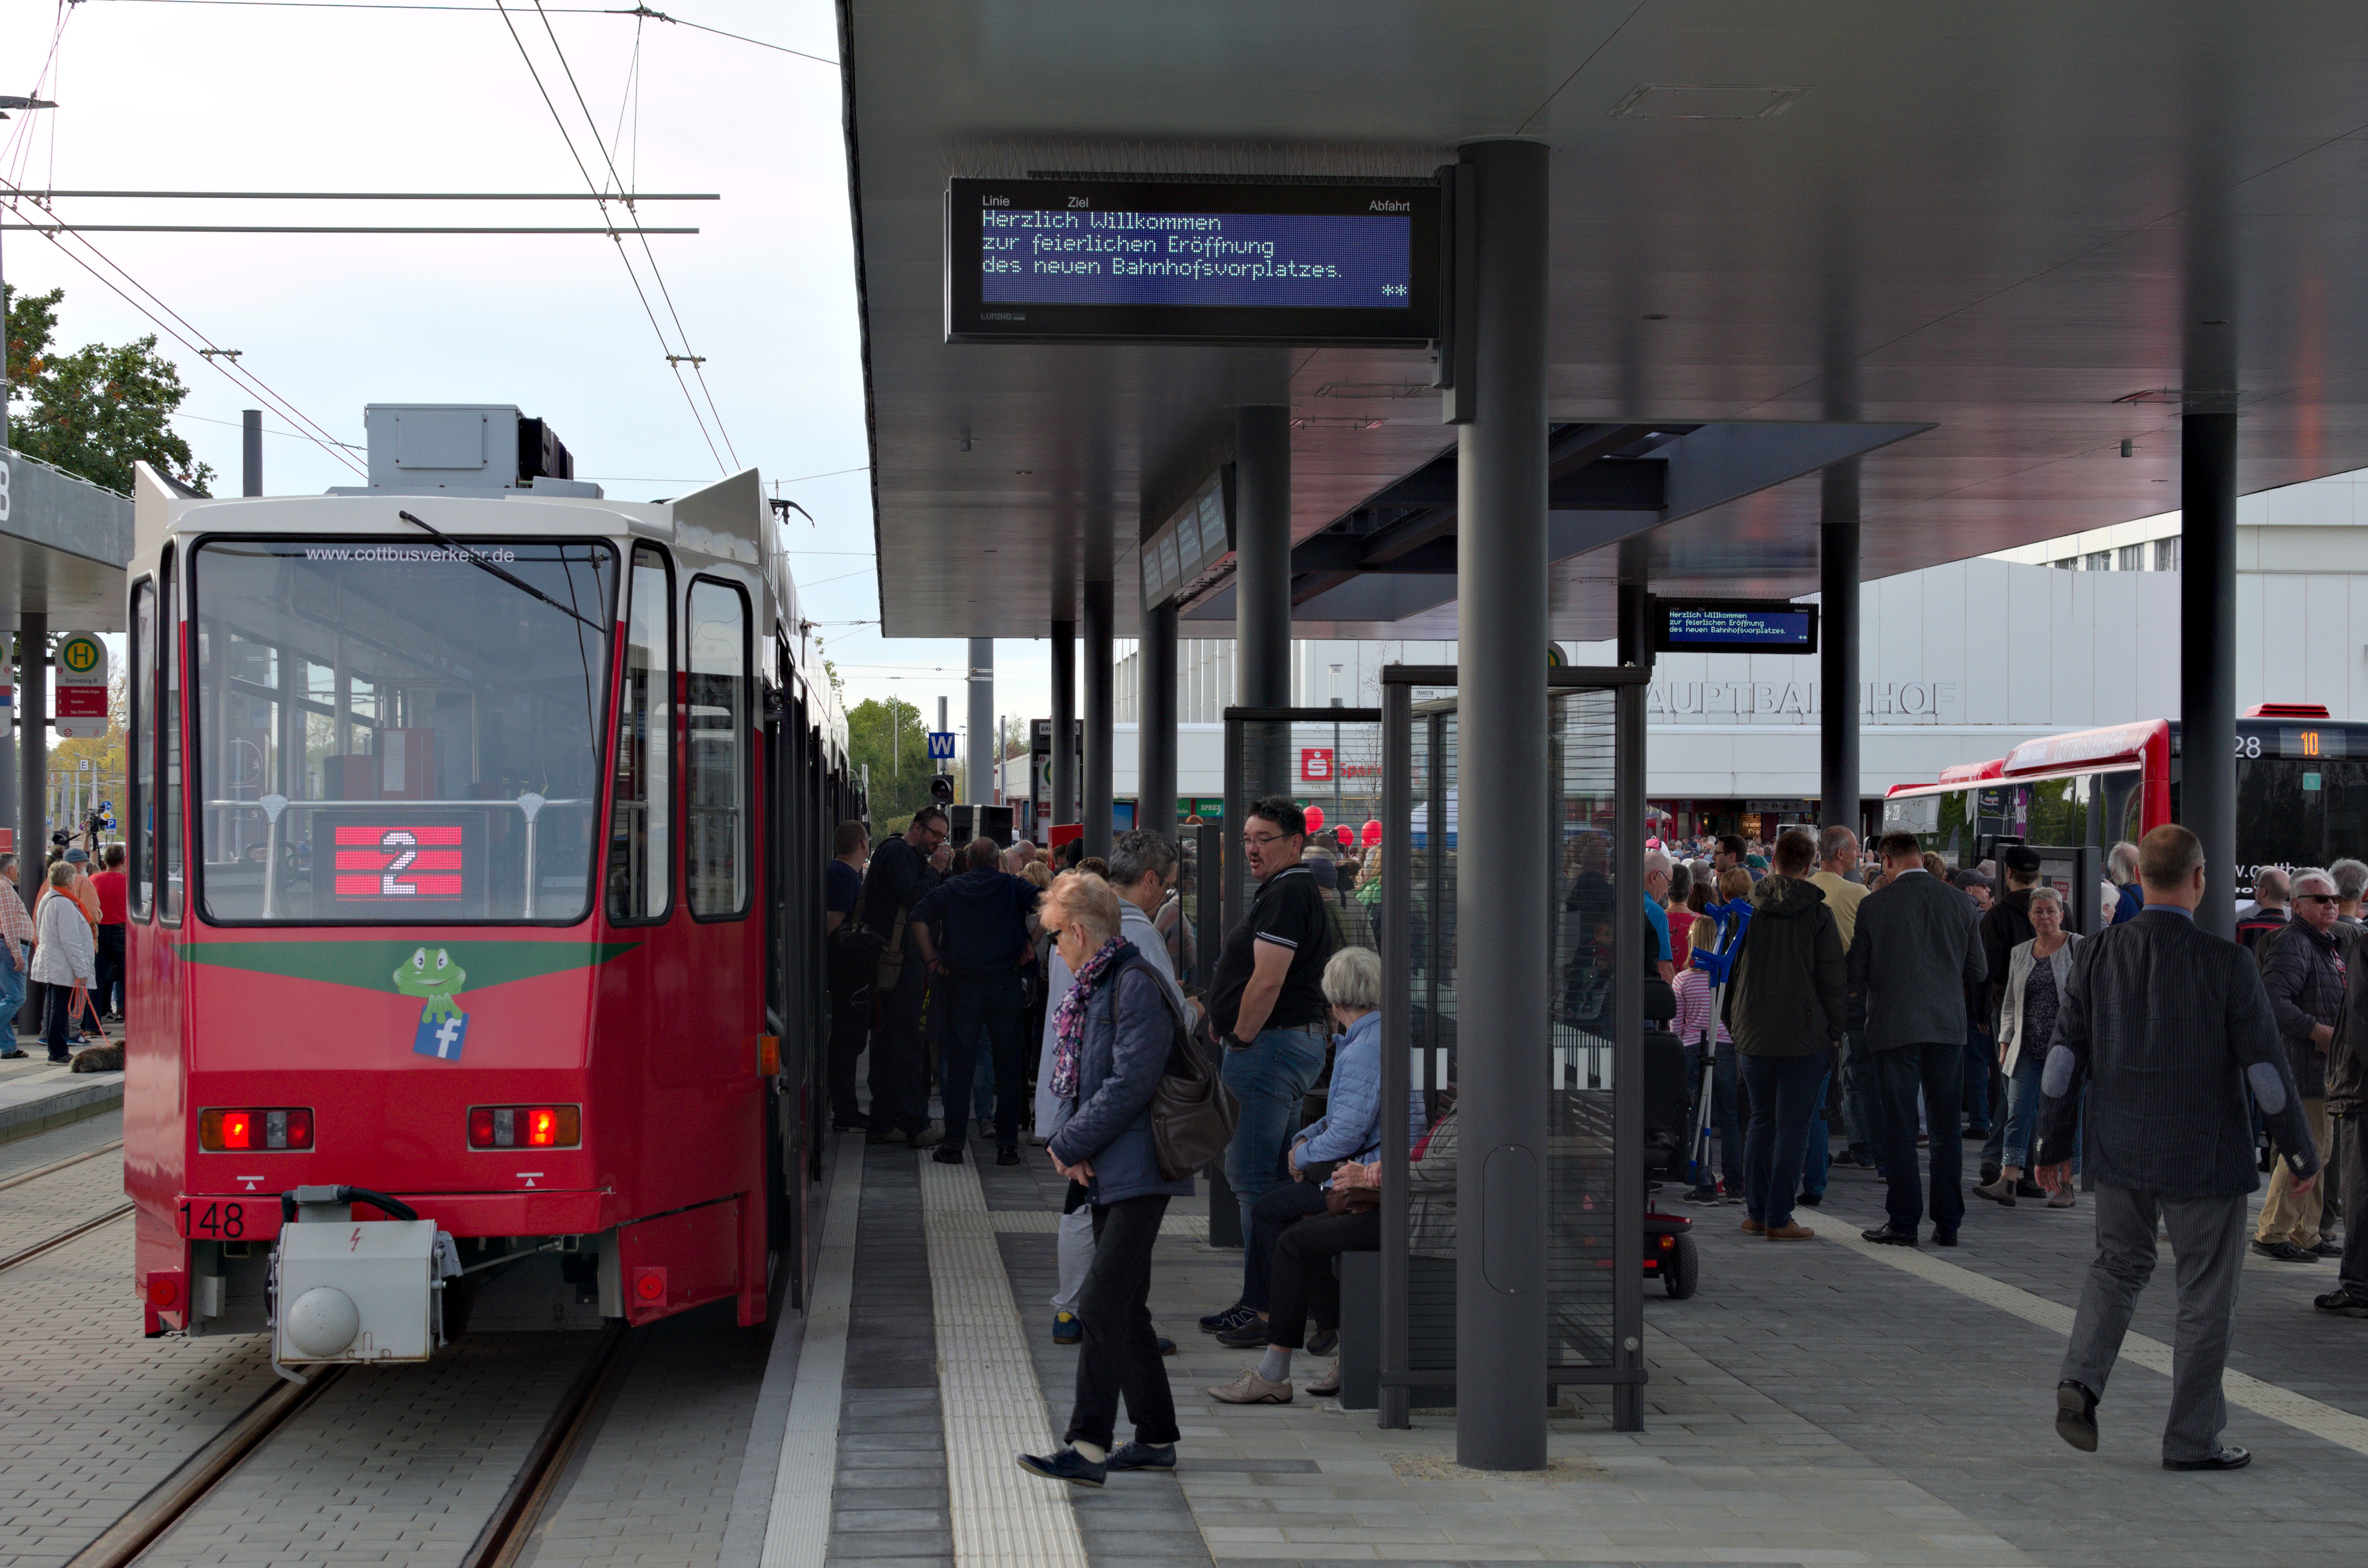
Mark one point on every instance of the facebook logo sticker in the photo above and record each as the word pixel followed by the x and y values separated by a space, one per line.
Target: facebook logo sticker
pixel 442 1037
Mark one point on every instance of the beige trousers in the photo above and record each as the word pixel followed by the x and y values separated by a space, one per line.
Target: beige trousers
pixel 2284 1216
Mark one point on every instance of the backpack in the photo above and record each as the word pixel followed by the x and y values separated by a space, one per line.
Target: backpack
pixel 1193 1113
pixel 860 959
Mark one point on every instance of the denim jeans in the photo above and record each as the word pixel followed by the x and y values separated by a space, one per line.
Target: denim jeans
pixel 1781 1088
pixel 983 1003
pixel 1980 1052
pixel 12 993
pixel 1817 1157
pixel 1269 1080
pixel 1120 1358
pixel 2021 1109
pixel 1938 1071
pixel 56 1032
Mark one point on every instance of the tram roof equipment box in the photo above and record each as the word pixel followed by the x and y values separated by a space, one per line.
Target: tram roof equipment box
pixel 421 448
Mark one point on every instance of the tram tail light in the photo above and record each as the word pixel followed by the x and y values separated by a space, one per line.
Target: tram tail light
pixel 226 1130
pixel 526 1126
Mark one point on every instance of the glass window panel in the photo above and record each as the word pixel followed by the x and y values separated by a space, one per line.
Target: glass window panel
pixel 716 749
pixel 641 856
pixel 444 769
pixel 169 818
pixel 141 817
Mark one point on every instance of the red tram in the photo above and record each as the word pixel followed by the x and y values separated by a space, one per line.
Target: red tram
pixel 476 868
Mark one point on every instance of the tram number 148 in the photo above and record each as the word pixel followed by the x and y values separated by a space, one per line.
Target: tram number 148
pixel 226 1220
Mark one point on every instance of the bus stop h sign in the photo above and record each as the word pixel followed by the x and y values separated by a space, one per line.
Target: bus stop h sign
pixel 82 686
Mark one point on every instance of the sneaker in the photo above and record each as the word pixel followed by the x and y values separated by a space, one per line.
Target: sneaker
pixel 1067 1329
pixel 1067 1465
pixel 1328 1385
pixel 2328 1248
pixel 1251 1389
pixel 1141 1456
pixel 1809 1199
pixel 1231 1317
pixel 2076 1415
pixel 60 1058
pixel 883 1135
pixel 1323 1342
pixel 12 1056
pixel 2344 1301
pixel 2230 1458
pixel 1166 1345
pixel 1008 1154
pixel 2283 1251
pixel 1250 1335
pixel 1705 1196
pixel 929 1138
pixel 986 1127
pixel 947 1154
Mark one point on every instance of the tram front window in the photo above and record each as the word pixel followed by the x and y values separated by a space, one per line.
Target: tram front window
pixel 388 733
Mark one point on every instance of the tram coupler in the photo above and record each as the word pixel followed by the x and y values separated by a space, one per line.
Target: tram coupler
pixel 354 1291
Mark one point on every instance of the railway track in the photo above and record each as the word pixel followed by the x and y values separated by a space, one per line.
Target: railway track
pixel 26 1255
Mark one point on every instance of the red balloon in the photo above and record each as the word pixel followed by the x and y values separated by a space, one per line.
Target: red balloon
pixel 1315 818
pixel 1373 834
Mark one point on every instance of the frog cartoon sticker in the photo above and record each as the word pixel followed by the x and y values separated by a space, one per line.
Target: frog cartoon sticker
pixel 435 978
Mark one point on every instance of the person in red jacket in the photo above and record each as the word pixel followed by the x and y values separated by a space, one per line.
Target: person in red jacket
pixel 114 894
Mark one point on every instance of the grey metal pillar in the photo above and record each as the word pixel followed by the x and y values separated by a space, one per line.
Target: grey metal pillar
pixel 251 452
pixel 1506 847
pixel 1101 691
pixel 1064 808
pixel 33 766
pixel 1838 721
pixel 1262 556
pixel 1154 787
pixel 2208 654
pixel 985 746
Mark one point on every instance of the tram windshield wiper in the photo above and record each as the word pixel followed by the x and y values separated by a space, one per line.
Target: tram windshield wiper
pixel 478 560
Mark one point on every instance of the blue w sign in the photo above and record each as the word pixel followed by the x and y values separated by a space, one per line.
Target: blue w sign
pixel 941 745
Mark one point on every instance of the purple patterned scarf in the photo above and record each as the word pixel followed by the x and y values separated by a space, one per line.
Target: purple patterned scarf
pixel 1069 1019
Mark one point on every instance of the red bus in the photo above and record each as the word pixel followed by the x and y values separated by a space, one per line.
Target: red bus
pixel 2302 791
pixel 476 866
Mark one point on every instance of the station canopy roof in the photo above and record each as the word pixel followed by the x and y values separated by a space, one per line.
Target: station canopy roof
pixel 2007 239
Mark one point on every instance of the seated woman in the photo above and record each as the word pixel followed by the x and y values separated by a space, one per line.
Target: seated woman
pixel 1351 1127
pixel 1303 1282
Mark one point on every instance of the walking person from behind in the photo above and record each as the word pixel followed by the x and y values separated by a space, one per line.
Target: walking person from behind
pixel 1268 1010
pixel 973 931
pixel 1917 949
pixel 1117 1033
pixel 2170 1031
pixel 904 870
pixel 112 888
pixel 1787 1001
pixel 2303 971
pixel 63 957
pixel 852 973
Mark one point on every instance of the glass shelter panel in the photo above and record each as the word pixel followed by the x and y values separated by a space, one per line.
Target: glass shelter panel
pixel 386 732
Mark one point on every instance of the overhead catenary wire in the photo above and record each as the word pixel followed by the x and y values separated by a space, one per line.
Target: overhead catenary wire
pixel 642 12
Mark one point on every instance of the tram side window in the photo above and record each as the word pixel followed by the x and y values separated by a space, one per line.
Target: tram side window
pixel 141 816
pixel 641 861
pixel 168 749
pixel 716 855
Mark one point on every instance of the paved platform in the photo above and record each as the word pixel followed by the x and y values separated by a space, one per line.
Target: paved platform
pixel 37 1095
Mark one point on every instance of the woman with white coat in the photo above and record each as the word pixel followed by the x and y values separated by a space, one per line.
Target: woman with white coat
pixel 2035 973
pixel 64 953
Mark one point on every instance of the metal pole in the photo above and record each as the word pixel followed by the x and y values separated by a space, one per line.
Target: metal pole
pixel 2207 655
pixel 1504 848
pixel 1628 1053
pixel 1397 1031
pixel 1154 788
pixel 1064 721
pixel 1262 592
pixel 1101 697
pixel 1838 566
pixel 33 766
pixel 250 423
pixel 982 720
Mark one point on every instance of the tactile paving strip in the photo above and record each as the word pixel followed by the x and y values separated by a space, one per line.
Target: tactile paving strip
pixel 798 1529
pixel 1045 1221
pixel 1002 1516
pixel 2298 1411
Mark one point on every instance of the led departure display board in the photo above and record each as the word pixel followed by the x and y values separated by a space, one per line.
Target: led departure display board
pixel 1733 626
pixel 1056 260
pixel 426 865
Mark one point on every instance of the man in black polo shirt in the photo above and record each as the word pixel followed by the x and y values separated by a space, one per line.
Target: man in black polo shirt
pixel 903 871
pixel 1267 1006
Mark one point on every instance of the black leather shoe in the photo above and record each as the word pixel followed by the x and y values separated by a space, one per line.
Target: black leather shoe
pixel 1945 1238
pixel 1067 1465
pixel 1324 1341
pixel 1008 1154
pixel 2230 1458
pixel 2283 1251
pixel 1141 1456
pixel 2076 1415
pixel 1809 1200
pixel 947 1154
pixel 2326 1248
pixel 1884 1235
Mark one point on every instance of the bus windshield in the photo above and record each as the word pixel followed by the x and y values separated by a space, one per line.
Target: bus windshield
pixel 387 734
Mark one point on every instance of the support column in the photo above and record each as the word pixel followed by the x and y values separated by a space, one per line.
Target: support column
pixel 1154 788
pixel 1506 846
pixel 1262 556
pixel 251 452
pixel 2207 655
pixel 1837 722
pixel 1064 807
pixel 33 766
pixel 985 745
pixel 1101 692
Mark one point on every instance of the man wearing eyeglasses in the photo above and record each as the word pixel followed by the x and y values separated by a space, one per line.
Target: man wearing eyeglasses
pixel 1267 1006
pixel 2303 971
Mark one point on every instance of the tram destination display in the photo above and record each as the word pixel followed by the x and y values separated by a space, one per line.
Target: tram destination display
pixel 1057 260
pixel 1733 626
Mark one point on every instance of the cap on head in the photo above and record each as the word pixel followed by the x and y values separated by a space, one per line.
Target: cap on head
pixel 77 858
pixel 2021 858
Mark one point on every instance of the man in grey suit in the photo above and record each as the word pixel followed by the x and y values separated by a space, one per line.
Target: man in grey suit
pixel 1916 948
pixel 2167 1028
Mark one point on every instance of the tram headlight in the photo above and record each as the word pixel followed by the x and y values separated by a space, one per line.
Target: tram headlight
pixel 526 1126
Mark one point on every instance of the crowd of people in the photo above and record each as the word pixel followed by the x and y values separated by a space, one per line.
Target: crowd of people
pixel 62 970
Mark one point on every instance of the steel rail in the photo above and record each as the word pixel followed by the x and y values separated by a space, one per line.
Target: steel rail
pixel 506 1534
pixel 61 1238
pixel 22 1178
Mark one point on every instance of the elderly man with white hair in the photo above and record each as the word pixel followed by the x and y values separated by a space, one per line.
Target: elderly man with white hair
pixel 2303 971
pixel 1657 866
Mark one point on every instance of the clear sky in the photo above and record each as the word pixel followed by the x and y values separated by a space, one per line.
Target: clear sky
pixel 253 96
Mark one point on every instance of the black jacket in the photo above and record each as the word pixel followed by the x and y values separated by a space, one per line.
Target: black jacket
pixel 898 879
pixel 2006 926
pixel 2347 1058
pixel 1917 949
pixel 1785 995
pixel 2302 972
pixel 2168 1029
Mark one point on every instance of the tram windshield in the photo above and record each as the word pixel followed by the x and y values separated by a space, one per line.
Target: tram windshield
pixel 387 734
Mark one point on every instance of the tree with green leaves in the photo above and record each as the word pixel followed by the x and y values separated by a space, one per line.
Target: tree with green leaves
pixel 96 411
pixel 891 737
